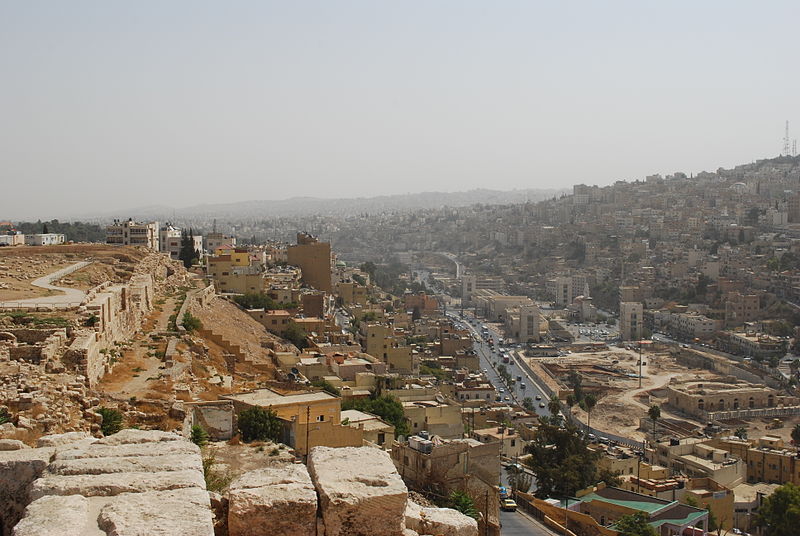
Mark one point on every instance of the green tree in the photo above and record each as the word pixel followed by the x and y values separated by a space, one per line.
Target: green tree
pixel 460 501
pixel 112 420
pixel 654 413
pixel 554 406
pixel 326 386
pixel 560 460
pixel 259 424
pixel 796 435
pixel 634 525
pixel 386 407
pixel 779 514
pixel 589 401
pixel 296 335
pixel 741 432
pixel 528 404
pixel 199 436
pixel 187 253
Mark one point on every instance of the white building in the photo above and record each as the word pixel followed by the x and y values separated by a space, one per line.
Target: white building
pixel 45 239
pixel 631 317
pixel 131 233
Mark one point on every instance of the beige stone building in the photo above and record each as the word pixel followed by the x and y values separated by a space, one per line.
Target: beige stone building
pixel 698 398
pixel 314 259
pixel 631 318
pixel 131 233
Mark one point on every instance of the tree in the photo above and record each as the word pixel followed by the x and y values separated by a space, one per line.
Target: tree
pixel 796 435
pixel 590 401
pixel 199 436
pixel 519 480
pixel 560 460
pixel 296 335
pixel 654 413
pixel 187 253
pixel 741 432
pixel 528 404
pixel 259 424
pixel 384 406
pixel 44 229
pixel 112 420
pixel 554 406
pixel 634 525
pixel 463 503
pixel 779 514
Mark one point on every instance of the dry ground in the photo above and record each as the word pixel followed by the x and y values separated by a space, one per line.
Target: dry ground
pixel 20 265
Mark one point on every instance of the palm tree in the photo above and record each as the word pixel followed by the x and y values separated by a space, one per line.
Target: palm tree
pixel 554 406
pixel 590 401
pixel 654 413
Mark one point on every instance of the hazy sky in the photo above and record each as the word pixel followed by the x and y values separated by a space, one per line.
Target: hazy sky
pixel 126 104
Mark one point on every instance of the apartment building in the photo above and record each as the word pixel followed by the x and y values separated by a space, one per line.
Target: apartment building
pixel 741 308
pixel 131 233
pixel 314 259
pixel 631 318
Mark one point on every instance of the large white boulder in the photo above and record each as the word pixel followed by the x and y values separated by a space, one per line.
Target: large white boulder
pixel 360 492
pixel 158 513
pixel 18 469
pixel 55 516
pixel 281 498
pixel 439 521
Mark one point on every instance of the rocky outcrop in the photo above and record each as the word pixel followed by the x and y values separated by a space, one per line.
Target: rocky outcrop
pixel 439 521
pixel 281 498
pixel 18 470
pixel 131 483
pixel 360 491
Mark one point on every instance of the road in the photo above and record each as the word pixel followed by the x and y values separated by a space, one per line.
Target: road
pixel 70 297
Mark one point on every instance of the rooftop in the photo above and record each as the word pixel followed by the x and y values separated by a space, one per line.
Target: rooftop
pixel 268 397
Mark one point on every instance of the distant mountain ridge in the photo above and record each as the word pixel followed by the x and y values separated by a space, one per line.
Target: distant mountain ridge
pixel 314 205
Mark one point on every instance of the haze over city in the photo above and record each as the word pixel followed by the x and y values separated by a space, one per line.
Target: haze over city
pixel 128 105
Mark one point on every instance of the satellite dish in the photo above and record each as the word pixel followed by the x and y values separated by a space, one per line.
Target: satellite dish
pixel 440 399
pixel 295 371
pixel 291 377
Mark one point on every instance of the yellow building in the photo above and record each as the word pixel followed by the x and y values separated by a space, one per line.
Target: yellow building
pixel 310 419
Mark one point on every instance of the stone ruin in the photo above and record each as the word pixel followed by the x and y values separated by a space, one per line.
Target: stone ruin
pixel 149 482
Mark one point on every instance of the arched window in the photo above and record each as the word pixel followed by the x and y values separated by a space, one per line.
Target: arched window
pixel 701 404
pixel 735 403
pixel 751 403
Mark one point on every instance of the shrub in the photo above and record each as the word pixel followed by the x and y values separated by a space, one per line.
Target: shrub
pixel 199 436
pixel 259 424
pixel 463 503
pixel 216 480
pixel 112 421
pixel 191 322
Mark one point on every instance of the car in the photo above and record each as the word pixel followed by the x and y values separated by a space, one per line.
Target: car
pixel 538 397
pixel 541 404
pixel 522 386
pixel 507 399
pixel 501 390
pixel 508 505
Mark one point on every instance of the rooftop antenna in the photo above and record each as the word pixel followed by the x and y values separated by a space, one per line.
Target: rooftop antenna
pixel 794 147
pixel 786 141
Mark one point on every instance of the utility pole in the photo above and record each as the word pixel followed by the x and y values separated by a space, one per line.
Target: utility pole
pixel 308 429
pixel 640 363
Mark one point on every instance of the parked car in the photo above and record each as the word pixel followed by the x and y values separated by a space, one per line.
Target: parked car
pixel 508 505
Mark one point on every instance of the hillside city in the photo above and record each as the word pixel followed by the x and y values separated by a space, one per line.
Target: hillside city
pixel 601 361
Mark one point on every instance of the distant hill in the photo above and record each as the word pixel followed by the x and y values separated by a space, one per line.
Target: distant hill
pixel 314 205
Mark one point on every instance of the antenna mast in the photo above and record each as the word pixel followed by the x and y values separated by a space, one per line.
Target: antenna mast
pixel 786 142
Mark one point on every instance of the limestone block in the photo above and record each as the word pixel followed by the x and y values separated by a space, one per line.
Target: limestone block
pixel 158 513
pixel 281 498
pixel 360 492
pixel 131 464
pixel 54 516
pixel 439 521
pixel 59 440
pixel 12 444
pixel 152 449
pixel 110 484
pixel 130 436
pixel 18 469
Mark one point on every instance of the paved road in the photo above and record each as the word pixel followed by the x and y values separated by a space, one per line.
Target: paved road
pixel 518 524
pixel 70 296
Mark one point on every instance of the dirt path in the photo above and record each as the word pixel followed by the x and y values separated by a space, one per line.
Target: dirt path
pixel 141 366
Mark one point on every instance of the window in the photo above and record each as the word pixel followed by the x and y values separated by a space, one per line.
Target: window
pixel 381 438
pixel 320 418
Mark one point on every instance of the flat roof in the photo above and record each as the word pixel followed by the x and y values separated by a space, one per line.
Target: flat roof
pixel 627 499
pixel 268 397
